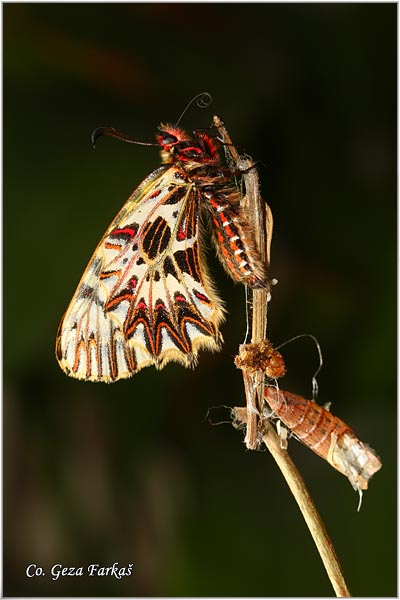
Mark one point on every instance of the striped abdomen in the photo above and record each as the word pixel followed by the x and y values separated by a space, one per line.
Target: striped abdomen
pixel 234 241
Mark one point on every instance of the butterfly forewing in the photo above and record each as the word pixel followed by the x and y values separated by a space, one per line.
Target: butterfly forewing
pixel 145 297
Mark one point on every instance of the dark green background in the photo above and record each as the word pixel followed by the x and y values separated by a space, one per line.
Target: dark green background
pixel 134 472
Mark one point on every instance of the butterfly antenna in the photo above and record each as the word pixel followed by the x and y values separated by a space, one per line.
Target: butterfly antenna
pixel 112 132
pixel 203 99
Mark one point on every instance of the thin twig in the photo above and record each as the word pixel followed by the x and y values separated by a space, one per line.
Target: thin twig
pixel 260 218
pixel 309 511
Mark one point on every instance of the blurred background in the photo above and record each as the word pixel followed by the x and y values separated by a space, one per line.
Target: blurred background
pixel 134 472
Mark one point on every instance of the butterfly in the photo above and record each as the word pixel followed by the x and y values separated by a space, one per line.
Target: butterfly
pixel 146 296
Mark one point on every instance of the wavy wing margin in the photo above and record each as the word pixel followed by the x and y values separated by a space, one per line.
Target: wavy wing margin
pixel 145 297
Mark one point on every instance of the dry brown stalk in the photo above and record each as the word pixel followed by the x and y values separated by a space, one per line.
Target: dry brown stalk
pixel 257 428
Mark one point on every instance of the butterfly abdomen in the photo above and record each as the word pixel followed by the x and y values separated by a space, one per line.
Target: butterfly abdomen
pixel 235 244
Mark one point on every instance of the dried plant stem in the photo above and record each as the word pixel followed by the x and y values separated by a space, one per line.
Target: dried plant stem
pixel 309 512
pixel 260 218
pixel 261 213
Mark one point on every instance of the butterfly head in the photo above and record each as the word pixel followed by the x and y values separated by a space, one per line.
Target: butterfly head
pixel 177 146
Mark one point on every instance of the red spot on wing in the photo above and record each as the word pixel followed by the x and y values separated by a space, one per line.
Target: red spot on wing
pixel 132 283
pixel 201 297
pixel 181 235
pixel 128 231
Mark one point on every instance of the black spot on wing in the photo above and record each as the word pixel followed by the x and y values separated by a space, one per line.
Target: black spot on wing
pixel 177 193
pixel 187 261
pixel 169 267
pixel 156 237
pixel 87 292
